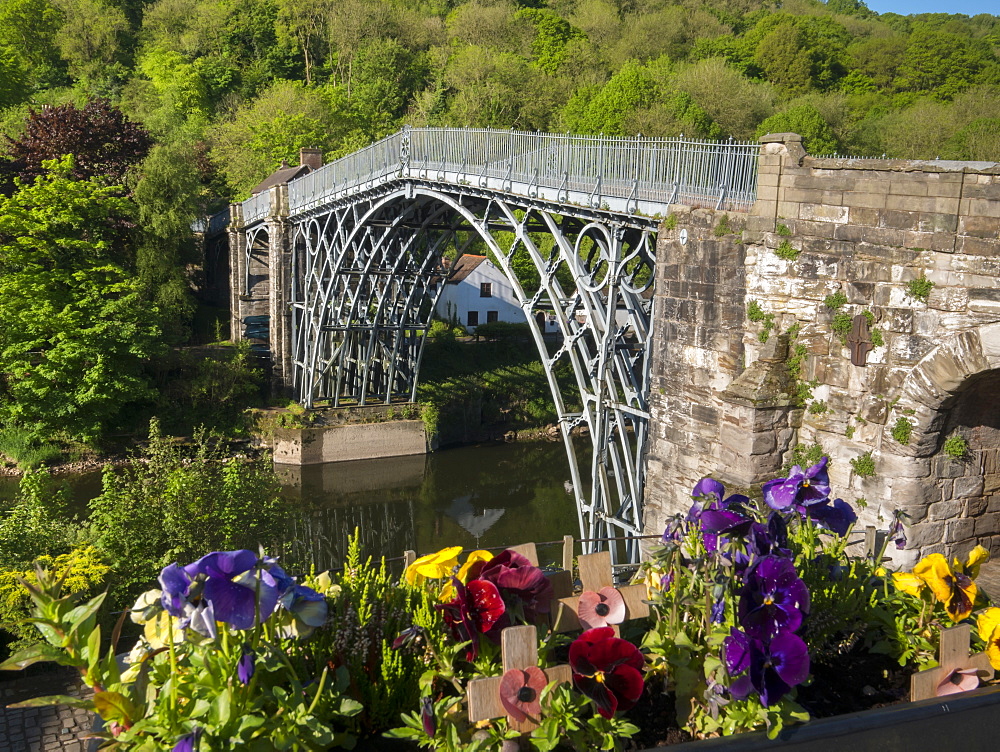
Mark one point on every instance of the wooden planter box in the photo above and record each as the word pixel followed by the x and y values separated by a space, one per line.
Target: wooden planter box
pixel 968 721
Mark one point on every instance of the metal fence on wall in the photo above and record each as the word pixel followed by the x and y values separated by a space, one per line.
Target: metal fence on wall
pixel 615 173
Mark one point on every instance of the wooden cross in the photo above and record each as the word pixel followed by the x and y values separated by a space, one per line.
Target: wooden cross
pixel 595 573
pixel 952 655
pixel 860 340
pixel 519 650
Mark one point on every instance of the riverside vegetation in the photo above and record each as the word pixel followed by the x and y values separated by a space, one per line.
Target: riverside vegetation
pixel 750 603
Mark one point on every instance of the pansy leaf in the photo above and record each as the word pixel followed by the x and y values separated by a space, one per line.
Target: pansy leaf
pixel 114 706
pixel 41 702
pixel 38 654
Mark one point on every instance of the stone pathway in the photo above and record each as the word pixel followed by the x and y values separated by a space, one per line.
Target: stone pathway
pixel 50 729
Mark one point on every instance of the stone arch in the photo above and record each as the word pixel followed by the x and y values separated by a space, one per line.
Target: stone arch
pixel 952 504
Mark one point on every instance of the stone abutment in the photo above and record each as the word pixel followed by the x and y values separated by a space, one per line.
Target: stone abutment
pixel 757 315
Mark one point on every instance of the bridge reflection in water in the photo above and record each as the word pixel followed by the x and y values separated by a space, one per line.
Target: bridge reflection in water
pixel 481 496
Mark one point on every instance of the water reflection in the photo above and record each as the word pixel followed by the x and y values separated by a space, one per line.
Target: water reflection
pixel 483 496
pixel 479 496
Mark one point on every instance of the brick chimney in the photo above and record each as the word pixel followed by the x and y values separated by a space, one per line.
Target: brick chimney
pixel 313 158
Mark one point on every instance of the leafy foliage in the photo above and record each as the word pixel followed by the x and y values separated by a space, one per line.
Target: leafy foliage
pixel 103 142
pixel 171 506
pixel 77 332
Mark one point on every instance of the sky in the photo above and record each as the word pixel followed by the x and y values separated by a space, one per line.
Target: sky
pixel 908 7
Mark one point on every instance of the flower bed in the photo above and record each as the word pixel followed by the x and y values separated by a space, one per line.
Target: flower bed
pixel 748 616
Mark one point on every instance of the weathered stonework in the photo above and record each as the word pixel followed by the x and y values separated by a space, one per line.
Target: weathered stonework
pixel 863 228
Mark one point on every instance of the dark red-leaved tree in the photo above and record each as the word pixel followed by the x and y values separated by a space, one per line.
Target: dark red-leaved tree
pixel 101 139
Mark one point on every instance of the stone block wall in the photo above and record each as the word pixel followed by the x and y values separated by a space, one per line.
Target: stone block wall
pixel 861 229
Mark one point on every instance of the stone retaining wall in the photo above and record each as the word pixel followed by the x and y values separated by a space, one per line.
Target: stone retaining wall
pixel 723 402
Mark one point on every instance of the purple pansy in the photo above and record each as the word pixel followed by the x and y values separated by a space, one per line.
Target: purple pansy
pixel 233 586
pixel 800 489
pixel 246 666
pixel 176 586
pixel 896 532
pixel 773 599
pixel 772 667
pixel 716 523
pixel 836 516
pixel 305 604
pixel 427 718
pixel 188 742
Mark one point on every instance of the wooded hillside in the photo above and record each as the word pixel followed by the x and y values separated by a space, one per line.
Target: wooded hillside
pixel 234 86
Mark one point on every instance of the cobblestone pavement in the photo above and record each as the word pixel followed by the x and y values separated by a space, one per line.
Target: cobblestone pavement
pixel 50 729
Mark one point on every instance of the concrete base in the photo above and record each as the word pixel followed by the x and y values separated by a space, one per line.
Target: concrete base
pixel 352 441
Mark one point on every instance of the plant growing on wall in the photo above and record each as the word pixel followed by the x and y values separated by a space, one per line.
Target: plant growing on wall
pixel 783 231
pixel 757 315
pixel 723 227
pixel 836 301
pixel 805 455
pixel 863 465
pixel 919 288
pixel 902 431
pixel 956 447
pixel 787 251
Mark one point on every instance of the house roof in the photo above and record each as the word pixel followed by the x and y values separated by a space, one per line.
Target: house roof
pixel 280 176
pixel 464 267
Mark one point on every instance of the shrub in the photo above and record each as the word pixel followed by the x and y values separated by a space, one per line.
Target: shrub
pixel 956 447
pixel 503 330
pixel 170 505
pixel 919 288
pixel 805 455
pixel 787 251
pixel 83 571
pixel 864 465
pixel 902 431
pixel 722 228
pixel 836 301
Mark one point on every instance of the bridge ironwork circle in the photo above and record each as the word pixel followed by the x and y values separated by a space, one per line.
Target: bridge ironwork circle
pixel 365 279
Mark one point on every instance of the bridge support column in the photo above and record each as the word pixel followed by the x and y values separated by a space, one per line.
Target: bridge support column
pixel 237 271
pixel 278 265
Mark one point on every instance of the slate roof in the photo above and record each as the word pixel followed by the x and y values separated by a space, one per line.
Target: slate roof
pixel 279 177
pixel 464 267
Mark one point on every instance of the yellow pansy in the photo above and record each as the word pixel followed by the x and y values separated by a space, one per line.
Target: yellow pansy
pixel 989 629
pixel 954 589
pixel 433 566
pixel 977 556
pixel 469 571
pixel 936 573
pixel 908 583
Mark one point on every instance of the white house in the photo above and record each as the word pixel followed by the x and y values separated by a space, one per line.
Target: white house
pixel 476 292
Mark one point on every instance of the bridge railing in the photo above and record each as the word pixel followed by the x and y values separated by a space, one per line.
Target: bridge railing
pixel 655 171
pixel 256 207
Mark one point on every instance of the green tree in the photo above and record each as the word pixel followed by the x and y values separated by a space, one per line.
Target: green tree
pixel 386 76
pixel 28 31
pixel 817 136
pixel 77 331
pixel 552 34
pixel 169 197
pixel 285 118
pixel 736 103
pixel 91 38
pixel 942 64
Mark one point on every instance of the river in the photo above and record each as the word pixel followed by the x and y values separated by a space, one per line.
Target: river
pixel 475 496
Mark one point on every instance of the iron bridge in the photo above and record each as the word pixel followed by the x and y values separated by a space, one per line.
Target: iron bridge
pixel 572 222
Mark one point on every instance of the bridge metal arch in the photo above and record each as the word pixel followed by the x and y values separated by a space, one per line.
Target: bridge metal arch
pixel 363 292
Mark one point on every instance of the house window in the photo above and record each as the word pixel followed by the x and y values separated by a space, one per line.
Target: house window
pixel 492 316
pixel 472 319
pixel 486 290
